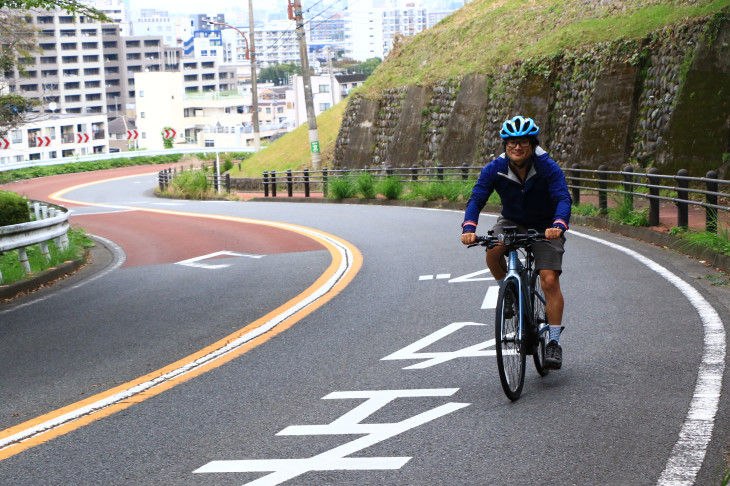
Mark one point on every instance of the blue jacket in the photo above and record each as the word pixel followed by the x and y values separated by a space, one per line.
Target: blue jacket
pixel 542 202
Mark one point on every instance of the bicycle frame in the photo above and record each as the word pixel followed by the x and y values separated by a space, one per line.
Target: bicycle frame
pixel 516 271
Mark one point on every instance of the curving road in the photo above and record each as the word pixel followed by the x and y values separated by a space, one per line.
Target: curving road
pixel 273 343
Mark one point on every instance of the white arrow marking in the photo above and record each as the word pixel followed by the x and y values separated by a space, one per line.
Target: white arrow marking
pixel 490 299
pixel 194 262
pixel 435 358
pixel 469 277
pixel 282 470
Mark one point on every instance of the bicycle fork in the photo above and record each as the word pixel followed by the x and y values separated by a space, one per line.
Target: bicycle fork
pixel 514 272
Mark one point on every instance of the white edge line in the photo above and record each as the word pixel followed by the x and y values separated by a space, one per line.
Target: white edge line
pixel 689 451
pixel 346 264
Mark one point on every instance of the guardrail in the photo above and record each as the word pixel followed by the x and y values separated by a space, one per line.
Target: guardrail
pixel 629 183
pixel 123 155
pixel 51 223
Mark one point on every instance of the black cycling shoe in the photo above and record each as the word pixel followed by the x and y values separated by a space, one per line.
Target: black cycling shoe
pixel 553 356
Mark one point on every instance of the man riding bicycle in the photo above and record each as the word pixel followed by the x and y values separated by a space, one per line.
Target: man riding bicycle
pixel 534 196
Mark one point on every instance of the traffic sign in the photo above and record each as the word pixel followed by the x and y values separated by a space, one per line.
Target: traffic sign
pixel 43 141
pixel 4 143
pixel 82 137
pixel 132 134
pixel 170 133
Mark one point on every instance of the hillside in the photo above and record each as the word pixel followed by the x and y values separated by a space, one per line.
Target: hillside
pixel 486 35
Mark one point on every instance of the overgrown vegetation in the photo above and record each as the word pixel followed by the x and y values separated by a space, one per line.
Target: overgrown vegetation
pixel 13 209
pixel 78 243
pixel 691 239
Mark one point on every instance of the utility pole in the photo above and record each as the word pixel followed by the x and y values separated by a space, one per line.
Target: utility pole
pixel 254 89
pixel 332 74
pixel 295 13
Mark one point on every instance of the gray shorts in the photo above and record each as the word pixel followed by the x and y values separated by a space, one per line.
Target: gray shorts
pixel 548 253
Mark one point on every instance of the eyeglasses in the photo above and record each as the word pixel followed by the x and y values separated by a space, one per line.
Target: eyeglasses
pixel 515 143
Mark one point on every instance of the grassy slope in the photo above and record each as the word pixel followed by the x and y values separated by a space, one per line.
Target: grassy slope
pixel 484 35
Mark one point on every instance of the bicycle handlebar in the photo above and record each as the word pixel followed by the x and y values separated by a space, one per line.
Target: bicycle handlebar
pixel 510 238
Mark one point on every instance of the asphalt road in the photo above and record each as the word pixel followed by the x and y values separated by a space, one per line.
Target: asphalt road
pixel 313 401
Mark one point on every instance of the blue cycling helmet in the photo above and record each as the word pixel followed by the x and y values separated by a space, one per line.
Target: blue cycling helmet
pixel 519 126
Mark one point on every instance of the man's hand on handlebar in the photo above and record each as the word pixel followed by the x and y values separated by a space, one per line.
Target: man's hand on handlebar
pixel 468 238
pixel 552 233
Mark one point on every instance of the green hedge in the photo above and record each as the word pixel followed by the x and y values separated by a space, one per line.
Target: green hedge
pixel 13 209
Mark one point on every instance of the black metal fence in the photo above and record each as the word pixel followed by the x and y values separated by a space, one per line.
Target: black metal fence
pixel 629 184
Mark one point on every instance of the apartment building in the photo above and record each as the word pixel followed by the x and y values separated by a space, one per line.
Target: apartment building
pixel 125 56
pixel 68 75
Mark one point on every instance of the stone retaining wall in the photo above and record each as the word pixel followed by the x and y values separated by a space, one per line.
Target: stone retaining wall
pixel 609 104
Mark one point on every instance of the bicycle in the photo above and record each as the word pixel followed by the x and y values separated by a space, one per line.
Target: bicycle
pixel 520 326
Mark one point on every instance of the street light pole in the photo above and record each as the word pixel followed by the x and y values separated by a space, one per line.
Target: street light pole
pixel 250 54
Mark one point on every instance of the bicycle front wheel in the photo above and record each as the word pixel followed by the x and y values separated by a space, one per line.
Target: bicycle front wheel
pixel 510 351
pixel 539 321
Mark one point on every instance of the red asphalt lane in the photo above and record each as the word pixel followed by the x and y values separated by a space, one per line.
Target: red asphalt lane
pixel 150 238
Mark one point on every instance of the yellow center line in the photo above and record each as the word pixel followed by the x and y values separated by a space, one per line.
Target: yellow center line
pixel 346 262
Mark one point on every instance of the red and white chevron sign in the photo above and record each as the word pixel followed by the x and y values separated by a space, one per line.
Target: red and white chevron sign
pixel 82 137
pixel 132 134
pixel 4 143
pixel 170 133
pixel 43 141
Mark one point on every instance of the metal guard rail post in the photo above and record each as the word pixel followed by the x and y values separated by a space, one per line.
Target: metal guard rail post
pixel 51 223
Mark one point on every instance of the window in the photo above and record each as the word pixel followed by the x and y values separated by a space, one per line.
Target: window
pixel 324 88
pixel 210 143
pixel 16 136
pixel 324 106
pixel 141 114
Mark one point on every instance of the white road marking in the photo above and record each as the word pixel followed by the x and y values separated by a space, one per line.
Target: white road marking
pixel 195 262
pixel 344 267
pixel 490 298
pixel 471 277
pixel 350 424
pixel 425 277
pixel 442 276
pixel 689 451
pixel 434 358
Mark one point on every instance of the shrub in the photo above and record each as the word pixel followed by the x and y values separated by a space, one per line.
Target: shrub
pixel 13 209
pixel 390 187
pixel 342 187
pixel 191 184
pixel 366 185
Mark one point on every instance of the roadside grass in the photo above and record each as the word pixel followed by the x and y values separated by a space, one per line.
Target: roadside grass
pixel 690 239
pixel 78 243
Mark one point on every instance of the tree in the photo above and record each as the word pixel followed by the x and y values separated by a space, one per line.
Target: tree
pixel 278 73
pixel 166 142
pixel 369 65
pixel 17 46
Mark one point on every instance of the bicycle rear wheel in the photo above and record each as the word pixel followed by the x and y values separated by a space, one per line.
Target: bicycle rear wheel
pixel 510 352
pixel 539 320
